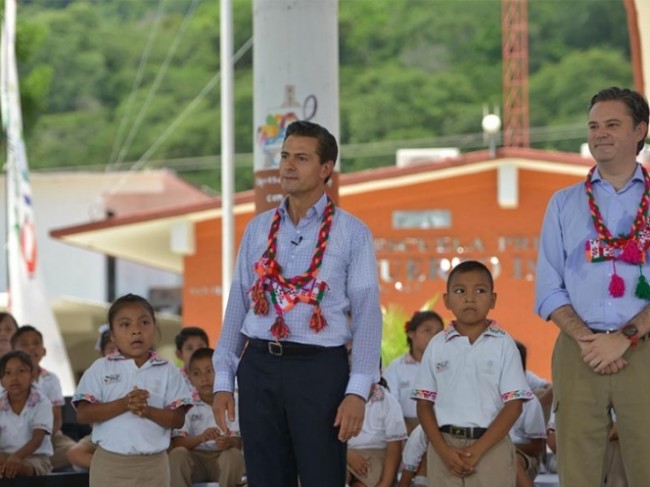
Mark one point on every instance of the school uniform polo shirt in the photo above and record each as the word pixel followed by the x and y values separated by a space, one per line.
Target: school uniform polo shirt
pixel 470 382
pixel 400 376
pixel 17 429
pixel 112 378
pixel 383 421
pixel 414 450
pixel 200 418
pixel 530 423
pixel 50 384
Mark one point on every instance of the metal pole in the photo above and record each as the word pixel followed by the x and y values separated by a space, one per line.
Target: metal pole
pixel 227 149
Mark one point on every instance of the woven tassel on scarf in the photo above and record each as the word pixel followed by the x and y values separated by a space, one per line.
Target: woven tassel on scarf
pixel 260 304
pixel 616 284
pixel 631 253
pixel 642 290
pixel 318 321
pixel 280 329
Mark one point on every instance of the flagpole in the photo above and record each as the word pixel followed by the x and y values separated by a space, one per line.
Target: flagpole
pixel 227 150
pixel 28 298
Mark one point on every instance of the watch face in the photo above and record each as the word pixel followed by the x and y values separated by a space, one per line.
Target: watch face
pixel 630 330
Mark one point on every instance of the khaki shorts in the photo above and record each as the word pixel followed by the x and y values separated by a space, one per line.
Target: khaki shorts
pixel 531 464
pixel 40 463
pixel 376 459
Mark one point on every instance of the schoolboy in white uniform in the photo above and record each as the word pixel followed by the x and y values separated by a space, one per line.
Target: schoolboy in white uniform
pixel 200 451
pixel 29 339
pixel 470 388
pixel 374 455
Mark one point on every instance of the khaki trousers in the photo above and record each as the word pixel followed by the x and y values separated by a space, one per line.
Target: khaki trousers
pixel 189 466
pixel 497 467
pixel 583 400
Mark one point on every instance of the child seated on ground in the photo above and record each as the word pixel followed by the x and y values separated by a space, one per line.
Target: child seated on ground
pixel 29 340
pixel 375 454
pixel 190 339
pixel 25 420
pixel 201 452
pixel 414 450
pixel 528 435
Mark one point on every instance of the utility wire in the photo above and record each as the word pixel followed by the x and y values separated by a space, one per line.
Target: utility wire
pixel 159 77
pixel 136 83
pixel 210 85
pixel 359 150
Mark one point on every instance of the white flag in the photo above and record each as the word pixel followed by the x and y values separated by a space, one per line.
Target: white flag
pixel 27 298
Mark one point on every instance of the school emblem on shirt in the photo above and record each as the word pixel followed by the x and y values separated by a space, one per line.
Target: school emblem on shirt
pixel 111 379
pixel 442 366
pixel 196 417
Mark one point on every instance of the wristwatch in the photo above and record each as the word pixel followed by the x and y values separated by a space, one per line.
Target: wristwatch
pixel 631 332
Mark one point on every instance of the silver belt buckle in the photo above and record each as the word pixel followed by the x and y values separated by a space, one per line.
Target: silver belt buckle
pixel 458 432
pixel 275 348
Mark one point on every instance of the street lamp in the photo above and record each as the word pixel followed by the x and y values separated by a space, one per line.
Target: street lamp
pixel 491 125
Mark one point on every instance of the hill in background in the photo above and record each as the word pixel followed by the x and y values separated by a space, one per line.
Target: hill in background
pixel 104 82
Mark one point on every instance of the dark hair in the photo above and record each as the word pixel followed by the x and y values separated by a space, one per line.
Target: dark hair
pixel 104 339
pixel 382 381
pixel 21 331
pixel 190 331
pixel 200 353
pixel 470 266
pixel 125 300
pixel 523 352
pixel 416 320
pixel 4 314
pixel 635 102
pixel 22 356
pixel 327 148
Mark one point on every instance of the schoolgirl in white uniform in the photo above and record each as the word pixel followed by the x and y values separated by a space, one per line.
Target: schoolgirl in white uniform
pixel 374 455
pixel 134 398
pixel 401 372
pixel 25 420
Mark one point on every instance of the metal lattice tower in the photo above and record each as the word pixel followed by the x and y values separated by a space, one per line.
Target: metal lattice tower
pixel 514 29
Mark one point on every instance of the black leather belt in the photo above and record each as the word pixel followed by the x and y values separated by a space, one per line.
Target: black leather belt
pixel 463 432
pixel 286 348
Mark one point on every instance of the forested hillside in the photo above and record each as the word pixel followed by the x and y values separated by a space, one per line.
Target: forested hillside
pixel 109 82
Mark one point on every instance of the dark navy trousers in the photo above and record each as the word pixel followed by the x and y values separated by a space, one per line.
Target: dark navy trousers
pixel 287 407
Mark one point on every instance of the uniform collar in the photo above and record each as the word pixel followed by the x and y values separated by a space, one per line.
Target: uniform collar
pixel 154 358
pixel 493 329
pixel 32 399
